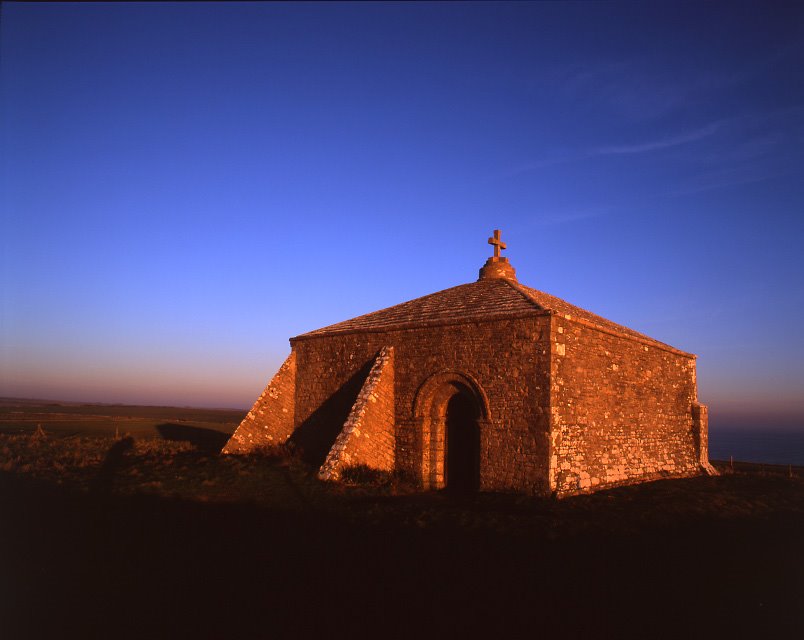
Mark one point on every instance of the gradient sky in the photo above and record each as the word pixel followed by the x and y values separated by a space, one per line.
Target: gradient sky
pixel 186 186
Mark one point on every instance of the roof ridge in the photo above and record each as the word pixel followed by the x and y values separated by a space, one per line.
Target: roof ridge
pixel 523 291
pixel 593 319
pixel 471 301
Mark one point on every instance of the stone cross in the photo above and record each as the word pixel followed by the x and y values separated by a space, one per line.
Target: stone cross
pixel 498 244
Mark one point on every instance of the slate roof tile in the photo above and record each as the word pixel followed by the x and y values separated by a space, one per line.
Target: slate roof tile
pixel 477 301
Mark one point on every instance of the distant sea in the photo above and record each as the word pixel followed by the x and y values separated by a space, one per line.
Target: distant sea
pixel 769 446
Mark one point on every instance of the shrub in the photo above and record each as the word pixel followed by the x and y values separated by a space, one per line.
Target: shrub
pixel 363 474
pixel 276 451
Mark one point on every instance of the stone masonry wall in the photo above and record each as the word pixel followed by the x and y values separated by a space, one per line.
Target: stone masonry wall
pixel 508 359
pixel 368 437
pixel 700 431
pixel 270 421
pixel 621 410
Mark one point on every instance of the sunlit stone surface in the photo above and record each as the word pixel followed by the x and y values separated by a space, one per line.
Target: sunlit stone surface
pixel 490 385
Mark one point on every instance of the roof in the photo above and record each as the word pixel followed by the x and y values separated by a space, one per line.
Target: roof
pixel 486 299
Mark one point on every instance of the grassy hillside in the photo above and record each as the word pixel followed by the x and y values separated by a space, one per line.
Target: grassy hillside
pixel 72 418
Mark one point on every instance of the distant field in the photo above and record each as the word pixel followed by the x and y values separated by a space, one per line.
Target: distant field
pixel 76 419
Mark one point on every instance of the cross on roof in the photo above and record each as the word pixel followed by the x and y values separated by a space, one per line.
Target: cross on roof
pixel 498 244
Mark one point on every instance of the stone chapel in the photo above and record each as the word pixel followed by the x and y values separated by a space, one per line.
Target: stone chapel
pixel 489 386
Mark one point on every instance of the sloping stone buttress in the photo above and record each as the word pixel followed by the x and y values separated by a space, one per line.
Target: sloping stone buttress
pixel 270 421
pixel 367 437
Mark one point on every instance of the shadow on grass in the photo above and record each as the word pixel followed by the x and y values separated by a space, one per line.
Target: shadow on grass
pixel 112 464
pixel 205 440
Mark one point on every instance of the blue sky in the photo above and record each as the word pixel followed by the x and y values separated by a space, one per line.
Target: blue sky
pixel 186 186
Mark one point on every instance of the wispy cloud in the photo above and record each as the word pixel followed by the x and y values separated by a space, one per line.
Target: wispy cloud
pixel 720 180
pixel 629 149
pixel 557 159
pixel 763 147
pixel 567 217
pixel 641 89
pixel 750 143
pixel 631 89
pixel 663 143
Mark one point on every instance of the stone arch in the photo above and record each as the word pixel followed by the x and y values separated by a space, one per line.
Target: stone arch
pixel 430 407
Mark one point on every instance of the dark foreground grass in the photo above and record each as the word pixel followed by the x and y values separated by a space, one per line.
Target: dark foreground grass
pixel 144 538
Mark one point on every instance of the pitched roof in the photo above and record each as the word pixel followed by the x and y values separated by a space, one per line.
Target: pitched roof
pixel 570 311
pixel 486 299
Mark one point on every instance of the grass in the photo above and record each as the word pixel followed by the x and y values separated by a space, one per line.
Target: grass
pixel 362 474
pixel 132 537
pixel 277 479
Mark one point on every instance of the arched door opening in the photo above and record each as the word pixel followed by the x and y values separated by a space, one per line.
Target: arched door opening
pixel 462 444
pixel 450 414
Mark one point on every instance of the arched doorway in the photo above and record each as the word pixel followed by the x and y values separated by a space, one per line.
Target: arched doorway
pixel 450 416
pixel 462 444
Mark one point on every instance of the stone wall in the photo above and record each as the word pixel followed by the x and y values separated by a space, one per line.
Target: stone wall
pixel 270 421
pixel 568 407
pixel 368 436
pixel 621 409
pixel 507 358
pixel 700 431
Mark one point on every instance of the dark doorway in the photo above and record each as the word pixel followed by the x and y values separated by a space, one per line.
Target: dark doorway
pixel 463 444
